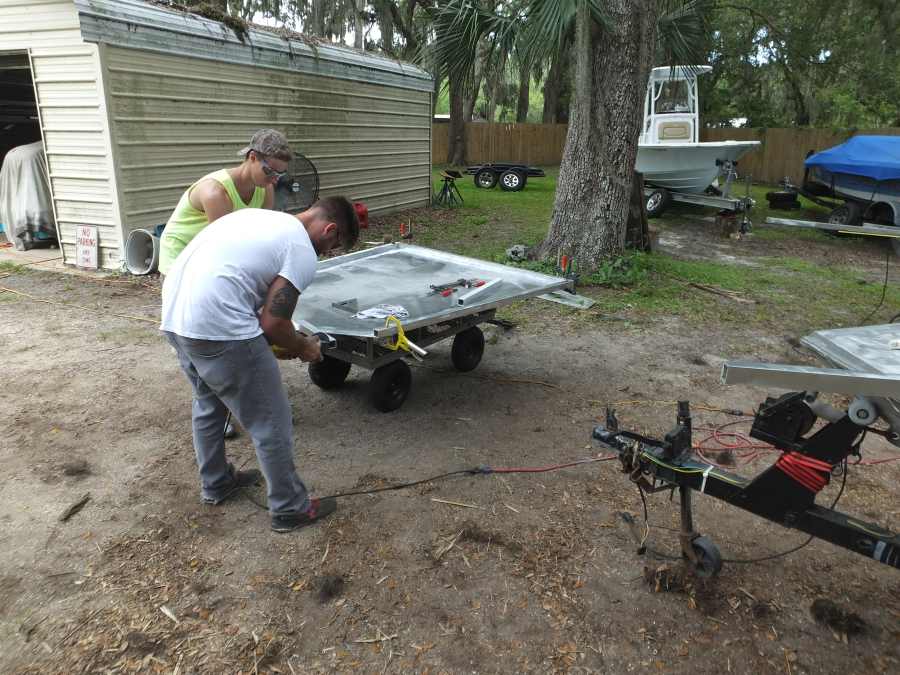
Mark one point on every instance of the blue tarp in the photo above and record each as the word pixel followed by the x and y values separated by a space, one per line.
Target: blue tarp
pixel 876 157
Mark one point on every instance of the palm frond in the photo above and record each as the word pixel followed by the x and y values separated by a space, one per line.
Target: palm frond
pixel 683 32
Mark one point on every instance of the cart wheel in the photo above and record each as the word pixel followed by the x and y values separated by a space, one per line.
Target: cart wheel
pixel 848 213
pixel 709 560
pixel 485 179
pixel 657 202
pixel 512 181
pixel 390 385
pixel 329 373
pixel 468 347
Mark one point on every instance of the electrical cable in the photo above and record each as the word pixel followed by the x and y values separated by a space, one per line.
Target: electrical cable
pixel 887 268
pixel 482 470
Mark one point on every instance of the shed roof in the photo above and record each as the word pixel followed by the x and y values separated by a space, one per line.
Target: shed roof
pixel 141 25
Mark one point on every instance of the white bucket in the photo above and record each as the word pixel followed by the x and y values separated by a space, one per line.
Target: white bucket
pixel 141 252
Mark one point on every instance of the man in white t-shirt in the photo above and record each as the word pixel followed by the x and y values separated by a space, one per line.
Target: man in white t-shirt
pixel 228 297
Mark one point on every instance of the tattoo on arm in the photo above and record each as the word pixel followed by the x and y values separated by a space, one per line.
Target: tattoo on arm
pixel 284 301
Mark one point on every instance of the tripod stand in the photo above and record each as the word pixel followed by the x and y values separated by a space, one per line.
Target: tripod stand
pixel 449 194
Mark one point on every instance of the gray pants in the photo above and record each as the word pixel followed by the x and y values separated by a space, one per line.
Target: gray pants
pixel 241 376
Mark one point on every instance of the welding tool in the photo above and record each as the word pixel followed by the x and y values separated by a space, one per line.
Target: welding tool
pixel 325 342
pixel 446 290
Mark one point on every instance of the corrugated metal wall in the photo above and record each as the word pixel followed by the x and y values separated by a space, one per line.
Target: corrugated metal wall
pixel 70 102
pixel 175 118
pixel 76 140
pixel 38 23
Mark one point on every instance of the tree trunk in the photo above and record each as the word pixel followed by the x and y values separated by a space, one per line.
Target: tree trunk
pixel 524 93
pixel 359 27
pixel 317 18
pixel 495 90
pixel 637 232
pixel 552 89
pixel 472 94
pixel 595 178
pixel 456 153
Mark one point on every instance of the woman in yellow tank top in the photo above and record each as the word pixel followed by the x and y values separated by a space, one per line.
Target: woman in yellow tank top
pixel 249 185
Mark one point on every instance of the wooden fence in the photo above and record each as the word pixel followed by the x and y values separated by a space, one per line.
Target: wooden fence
pixel 781 151
pixel 539 144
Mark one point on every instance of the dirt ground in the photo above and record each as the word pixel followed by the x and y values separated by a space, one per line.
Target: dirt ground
pixel 522 573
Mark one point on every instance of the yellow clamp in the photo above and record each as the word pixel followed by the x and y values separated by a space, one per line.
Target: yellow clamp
pixel 402 342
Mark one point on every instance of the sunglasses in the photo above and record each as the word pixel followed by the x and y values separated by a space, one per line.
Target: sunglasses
pixel 269 171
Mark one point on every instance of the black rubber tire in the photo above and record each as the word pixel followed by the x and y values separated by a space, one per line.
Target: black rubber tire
pixel 486 179
pixel 709 560
pixel 512 180
pixel 848 213
pixel 390 386
pixel 329 373
pixel 467 350
pixel 657 202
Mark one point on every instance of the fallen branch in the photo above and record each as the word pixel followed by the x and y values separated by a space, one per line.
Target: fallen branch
pixel 468 506
pixel 75 508
pixel 731 295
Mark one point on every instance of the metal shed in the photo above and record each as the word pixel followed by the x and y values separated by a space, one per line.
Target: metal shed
pixel 135 101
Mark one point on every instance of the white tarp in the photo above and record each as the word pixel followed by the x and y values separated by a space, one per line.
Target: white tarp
pixel 26 209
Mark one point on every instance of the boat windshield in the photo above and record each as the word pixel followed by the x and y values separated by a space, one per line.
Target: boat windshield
pixel 673 97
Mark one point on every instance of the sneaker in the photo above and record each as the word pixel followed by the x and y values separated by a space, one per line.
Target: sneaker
pixel 230 430
pixel 318 509
pixel 242 479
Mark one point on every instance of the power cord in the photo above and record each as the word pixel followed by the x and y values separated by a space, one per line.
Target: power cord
pixel 887 268
pixel 481 470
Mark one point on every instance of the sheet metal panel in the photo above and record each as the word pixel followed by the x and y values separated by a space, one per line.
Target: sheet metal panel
pixel 25 24
pixel 866 348
pixel 77 145
pixel 401 274
pixel 143 26
pixel 175 119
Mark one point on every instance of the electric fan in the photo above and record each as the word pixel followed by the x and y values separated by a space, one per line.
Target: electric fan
pixel 298 189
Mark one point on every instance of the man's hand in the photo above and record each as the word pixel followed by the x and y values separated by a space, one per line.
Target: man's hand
pixel 275 321
pixel 311 350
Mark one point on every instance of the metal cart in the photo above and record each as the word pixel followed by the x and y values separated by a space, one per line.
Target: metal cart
pixel 431 295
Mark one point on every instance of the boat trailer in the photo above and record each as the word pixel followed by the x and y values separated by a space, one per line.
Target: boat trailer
pixel 785 493
pixel 658 199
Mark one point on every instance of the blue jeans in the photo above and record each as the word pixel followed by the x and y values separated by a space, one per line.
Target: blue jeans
pixel 241 376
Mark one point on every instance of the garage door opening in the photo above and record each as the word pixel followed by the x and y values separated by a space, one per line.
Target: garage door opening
pixel 26 208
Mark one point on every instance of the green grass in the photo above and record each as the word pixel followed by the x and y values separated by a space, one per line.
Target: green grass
pixel 789 292
pixel 808 211
pixel 489 221
pixel 9 266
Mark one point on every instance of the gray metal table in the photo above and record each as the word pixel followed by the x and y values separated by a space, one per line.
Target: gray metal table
pixel 347 301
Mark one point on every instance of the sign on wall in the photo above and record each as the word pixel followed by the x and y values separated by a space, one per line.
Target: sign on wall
pixel 86 246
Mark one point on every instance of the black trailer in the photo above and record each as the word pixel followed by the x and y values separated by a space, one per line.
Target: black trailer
pixel 512 177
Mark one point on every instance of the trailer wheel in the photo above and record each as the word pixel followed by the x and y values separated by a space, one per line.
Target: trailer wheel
pixel 467 350
pixel 512 180
pixel 390 386
pixel 657 202
pixel 329 373
pixel 709 560
pixel 486 179
pixel 848 213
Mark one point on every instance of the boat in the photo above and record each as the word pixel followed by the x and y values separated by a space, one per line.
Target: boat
pixel 670 154
pixel 864 172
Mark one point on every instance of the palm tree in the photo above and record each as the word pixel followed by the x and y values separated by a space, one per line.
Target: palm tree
pixel 616 44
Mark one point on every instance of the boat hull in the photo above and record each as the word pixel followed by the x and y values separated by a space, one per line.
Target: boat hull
pixel 687 167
